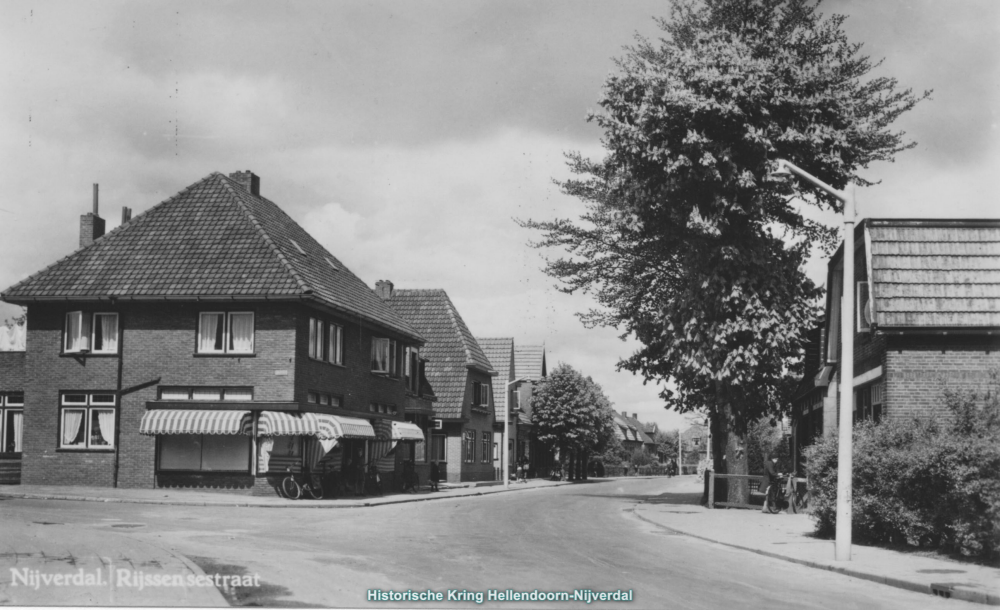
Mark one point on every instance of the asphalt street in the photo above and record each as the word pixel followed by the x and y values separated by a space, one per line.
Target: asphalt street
pixel 552 539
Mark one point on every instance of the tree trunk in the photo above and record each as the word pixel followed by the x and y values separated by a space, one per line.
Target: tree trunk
pixel 736 462
pixel 564 463
pixel 586 464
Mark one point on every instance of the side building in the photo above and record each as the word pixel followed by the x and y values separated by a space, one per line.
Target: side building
pixel 209 342
pixel 927 319
pixel 530 368
pixel 460 377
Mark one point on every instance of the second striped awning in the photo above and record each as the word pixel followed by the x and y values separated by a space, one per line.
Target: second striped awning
pixel 184 421
pixel 320 425
pixel 406 431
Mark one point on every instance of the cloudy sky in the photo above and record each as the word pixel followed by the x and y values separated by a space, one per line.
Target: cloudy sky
pixel 407 136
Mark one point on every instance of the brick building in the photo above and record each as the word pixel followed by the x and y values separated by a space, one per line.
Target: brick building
pixel 530 367
pixel 208 342
pixel 12 382
pixel 460 378
pixel 500 352
pixel 927 318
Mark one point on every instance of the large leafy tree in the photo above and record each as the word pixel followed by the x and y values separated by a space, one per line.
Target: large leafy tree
pixel 571 413
pixel 687 243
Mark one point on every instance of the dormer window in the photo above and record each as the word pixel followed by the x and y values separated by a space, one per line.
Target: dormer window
pixel 87 332
pixel 480 394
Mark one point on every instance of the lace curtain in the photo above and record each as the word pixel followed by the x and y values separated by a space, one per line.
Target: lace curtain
pixel 109 333
pixel 209 332
pixel 241 332
pixel 16 422
pixel 71 426
pixel 380 355
pixel 106 426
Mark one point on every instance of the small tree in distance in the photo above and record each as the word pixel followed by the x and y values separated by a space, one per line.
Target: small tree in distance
pixel 572 415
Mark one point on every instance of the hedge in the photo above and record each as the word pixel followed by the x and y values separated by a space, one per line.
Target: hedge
pixel 918 482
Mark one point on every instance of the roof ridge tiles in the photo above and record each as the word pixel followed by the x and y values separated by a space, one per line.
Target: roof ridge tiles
pixel 103 239
pixel 227 183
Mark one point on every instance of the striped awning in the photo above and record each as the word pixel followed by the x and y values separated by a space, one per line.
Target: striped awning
pixel 183 421
pixel 320 425
pixel 406 431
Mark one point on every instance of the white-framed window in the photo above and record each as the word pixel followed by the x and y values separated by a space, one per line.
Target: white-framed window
pixel 439 448
pixel 11 421
pixel 323 398
pixel 384 358
pixel 864 313
pixel 487 441
pixel 181 393
pixel 469 446
pixel 326 341
pixel 87 420
pixel 225 332
pixel 87 332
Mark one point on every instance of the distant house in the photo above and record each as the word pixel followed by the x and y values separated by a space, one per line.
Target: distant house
pixel 530 365
pixel 12 382
pixel 500 352
pixel 927 318
pixel 460 376
pixel 646 441
pixel 694 448
pixel 209 342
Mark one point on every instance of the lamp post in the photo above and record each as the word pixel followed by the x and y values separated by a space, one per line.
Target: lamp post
pixel 506 433
pixel 845 441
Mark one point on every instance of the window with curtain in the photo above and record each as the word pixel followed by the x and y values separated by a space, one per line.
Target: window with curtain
pixel 326 341
pixel 87 420
pixel 241 333
pixel 487 441
pixel 77 332
pixel 11 422
pixel 469 446
pixel 381 355
pixel 105 333
pixel 225 333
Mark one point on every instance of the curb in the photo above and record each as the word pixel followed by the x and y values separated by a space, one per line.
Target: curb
pixel 237 504
pixel 946 591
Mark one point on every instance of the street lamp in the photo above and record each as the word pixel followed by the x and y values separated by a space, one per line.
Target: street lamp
pixel 506 433
pixel 845 449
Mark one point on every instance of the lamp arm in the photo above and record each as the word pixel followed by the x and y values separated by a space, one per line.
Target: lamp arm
pixel 801 173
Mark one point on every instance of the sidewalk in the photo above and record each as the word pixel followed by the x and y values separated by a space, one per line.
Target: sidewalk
pixel 789 537
pixel 185 497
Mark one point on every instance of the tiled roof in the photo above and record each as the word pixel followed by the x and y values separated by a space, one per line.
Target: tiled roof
pixel 529 362
pixel 500 353
pixel 935 273
pixel 450 348
pixel 639 428
pixel 212 240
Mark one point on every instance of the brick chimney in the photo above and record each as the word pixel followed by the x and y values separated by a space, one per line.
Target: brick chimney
pixel 383 288
pixel 635 416
pixel 625 414
pixel 248 180
pixel 91 225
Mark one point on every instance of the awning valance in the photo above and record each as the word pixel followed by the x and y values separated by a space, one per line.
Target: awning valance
pixel 182 421
pixel 406 431
pixel 321 425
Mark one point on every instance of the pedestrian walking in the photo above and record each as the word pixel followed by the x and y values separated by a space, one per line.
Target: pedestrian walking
pixel 435 476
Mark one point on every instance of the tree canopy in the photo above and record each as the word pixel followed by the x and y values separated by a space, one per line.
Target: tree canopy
pixel 571 412
pixel 686 242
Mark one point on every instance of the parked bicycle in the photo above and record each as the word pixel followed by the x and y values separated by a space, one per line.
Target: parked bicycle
pixel 786 495
pixel 307 483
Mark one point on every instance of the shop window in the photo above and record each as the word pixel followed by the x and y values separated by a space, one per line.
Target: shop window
pixel 469 446
pixel 326 341
pixel 11 421
pixel 95 333
pixel 204 452
pixel 487 441
pixel 439 448
pixel 87 421
pixel 225 333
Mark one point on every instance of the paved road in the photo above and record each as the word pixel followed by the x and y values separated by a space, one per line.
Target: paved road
pixel 565 538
